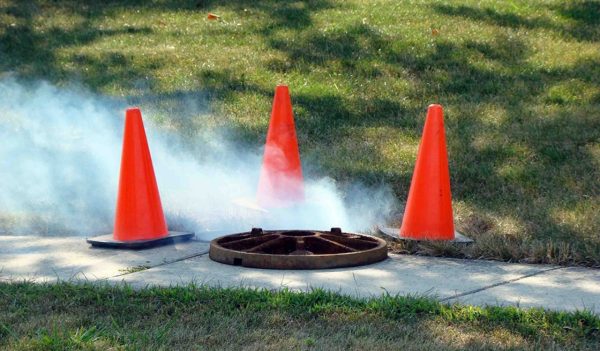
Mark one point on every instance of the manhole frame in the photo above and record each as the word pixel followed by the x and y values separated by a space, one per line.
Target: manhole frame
pixel 224 255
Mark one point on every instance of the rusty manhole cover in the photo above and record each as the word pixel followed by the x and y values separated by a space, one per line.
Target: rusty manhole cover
pixel 297 249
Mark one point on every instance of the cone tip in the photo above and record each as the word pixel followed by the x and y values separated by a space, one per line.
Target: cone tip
pixel 281 87
pixel 435 107
pixel 133 112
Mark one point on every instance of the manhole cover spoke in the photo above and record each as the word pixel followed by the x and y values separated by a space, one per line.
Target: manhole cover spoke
pixel 245 242
pixel 330 245
pixel 355 243
pixel 276 242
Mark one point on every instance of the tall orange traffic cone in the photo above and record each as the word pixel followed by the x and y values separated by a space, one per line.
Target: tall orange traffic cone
pixel 281 182
pixel 139 220
pixel 428 212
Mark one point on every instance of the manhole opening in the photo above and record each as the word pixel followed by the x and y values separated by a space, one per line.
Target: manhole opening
pixel 297 249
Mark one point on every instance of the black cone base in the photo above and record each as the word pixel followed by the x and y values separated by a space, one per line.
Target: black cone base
pixel 395 233
pixel 107 241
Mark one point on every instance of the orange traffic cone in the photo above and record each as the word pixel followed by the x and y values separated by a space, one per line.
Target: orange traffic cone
pixel 428 212
pixel 139 220
pixel 281 182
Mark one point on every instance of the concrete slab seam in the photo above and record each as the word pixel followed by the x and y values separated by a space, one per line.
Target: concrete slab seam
pixel 161 264
pixel 505 282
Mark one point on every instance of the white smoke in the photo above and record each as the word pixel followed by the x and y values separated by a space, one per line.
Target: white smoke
pixel 59 167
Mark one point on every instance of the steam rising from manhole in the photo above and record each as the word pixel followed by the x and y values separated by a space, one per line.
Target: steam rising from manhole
pixel 297 249
pixel 60 149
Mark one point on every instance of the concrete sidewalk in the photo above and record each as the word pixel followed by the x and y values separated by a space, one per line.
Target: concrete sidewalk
pixel 467 281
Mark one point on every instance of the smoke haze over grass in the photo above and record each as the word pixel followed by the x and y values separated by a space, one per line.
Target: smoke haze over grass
pixel 60 156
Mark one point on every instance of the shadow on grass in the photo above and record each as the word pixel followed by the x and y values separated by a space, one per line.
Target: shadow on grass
pixel 583 14
pixel 294 15
pixel 31 53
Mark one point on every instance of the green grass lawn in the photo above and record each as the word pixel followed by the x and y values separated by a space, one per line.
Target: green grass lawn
pixel 519 80
pixel 91 317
